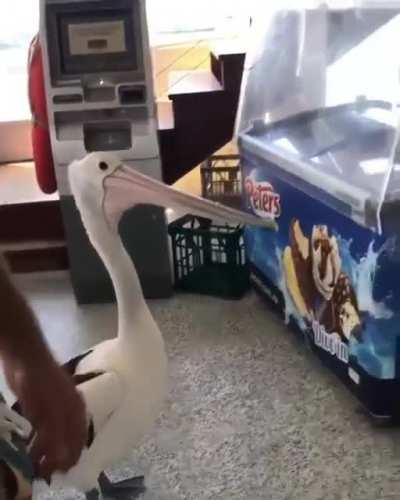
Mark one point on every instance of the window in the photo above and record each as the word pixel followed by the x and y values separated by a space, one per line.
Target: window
pixel 171 21
pixel 202 17
pixel 16 31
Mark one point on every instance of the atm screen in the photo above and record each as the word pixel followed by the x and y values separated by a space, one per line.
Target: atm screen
pixel 94 37
pixel 100 43
pixel 107 37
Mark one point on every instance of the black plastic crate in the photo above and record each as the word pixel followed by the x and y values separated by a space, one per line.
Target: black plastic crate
pixel 209 259
pixel 221 179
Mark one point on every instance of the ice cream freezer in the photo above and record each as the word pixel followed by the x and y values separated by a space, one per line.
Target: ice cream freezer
pixel 325 167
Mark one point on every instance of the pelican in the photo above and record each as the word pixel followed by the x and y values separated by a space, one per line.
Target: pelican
pixel 124 380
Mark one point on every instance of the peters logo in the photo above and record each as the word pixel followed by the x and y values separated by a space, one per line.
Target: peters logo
pixel 263 199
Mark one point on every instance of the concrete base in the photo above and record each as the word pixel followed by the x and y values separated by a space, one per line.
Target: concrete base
pixel 144 233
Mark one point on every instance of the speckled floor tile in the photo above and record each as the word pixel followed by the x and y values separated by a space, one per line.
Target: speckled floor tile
pixel 251 413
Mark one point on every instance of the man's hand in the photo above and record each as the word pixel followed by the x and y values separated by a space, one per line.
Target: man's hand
pixel 55 409
pixel 47 395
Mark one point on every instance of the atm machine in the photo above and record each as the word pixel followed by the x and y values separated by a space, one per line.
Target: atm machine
pixel 99 85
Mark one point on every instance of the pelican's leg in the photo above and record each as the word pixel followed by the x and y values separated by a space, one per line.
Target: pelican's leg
pixel 127 489
pixel 92 495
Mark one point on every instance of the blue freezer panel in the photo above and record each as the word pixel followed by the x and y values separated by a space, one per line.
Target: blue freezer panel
pixel 336 281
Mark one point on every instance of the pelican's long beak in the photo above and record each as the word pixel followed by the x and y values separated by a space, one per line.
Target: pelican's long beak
pixel 126 187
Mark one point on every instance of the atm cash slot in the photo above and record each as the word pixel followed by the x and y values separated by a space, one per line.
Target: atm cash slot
pixel 128 95
pixel 125 95
pixel 70 125
pixel 99 94
pixel 67 99
pixel 107 136
pixel 132 94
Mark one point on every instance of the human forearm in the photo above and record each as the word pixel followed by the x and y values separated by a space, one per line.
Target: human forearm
pixel 21 340
pixel 48 397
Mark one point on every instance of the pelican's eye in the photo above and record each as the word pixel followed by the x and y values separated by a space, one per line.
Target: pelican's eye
pixel 103 165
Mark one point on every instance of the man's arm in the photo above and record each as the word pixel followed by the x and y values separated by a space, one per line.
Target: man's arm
pixel 21 340
pixel 47 395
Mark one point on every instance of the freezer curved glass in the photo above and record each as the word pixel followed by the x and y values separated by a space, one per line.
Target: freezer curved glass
pixel 320 102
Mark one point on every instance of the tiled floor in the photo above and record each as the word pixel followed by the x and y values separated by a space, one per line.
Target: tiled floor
pixel 69 329
pixel 251 414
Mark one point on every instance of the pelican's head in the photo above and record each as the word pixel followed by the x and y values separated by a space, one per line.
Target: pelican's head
pixel 103 189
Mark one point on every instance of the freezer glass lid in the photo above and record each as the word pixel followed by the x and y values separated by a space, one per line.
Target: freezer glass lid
pixel 345 152
pixel 353 144
pixel 320 99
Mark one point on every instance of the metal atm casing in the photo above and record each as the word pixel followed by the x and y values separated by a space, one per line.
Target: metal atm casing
pixel 100 97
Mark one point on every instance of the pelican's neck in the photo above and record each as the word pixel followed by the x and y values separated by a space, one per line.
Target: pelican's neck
pixel 134 317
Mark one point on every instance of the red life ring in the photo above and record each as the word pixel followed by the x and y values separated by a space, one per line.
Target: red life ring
pixel 41 143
